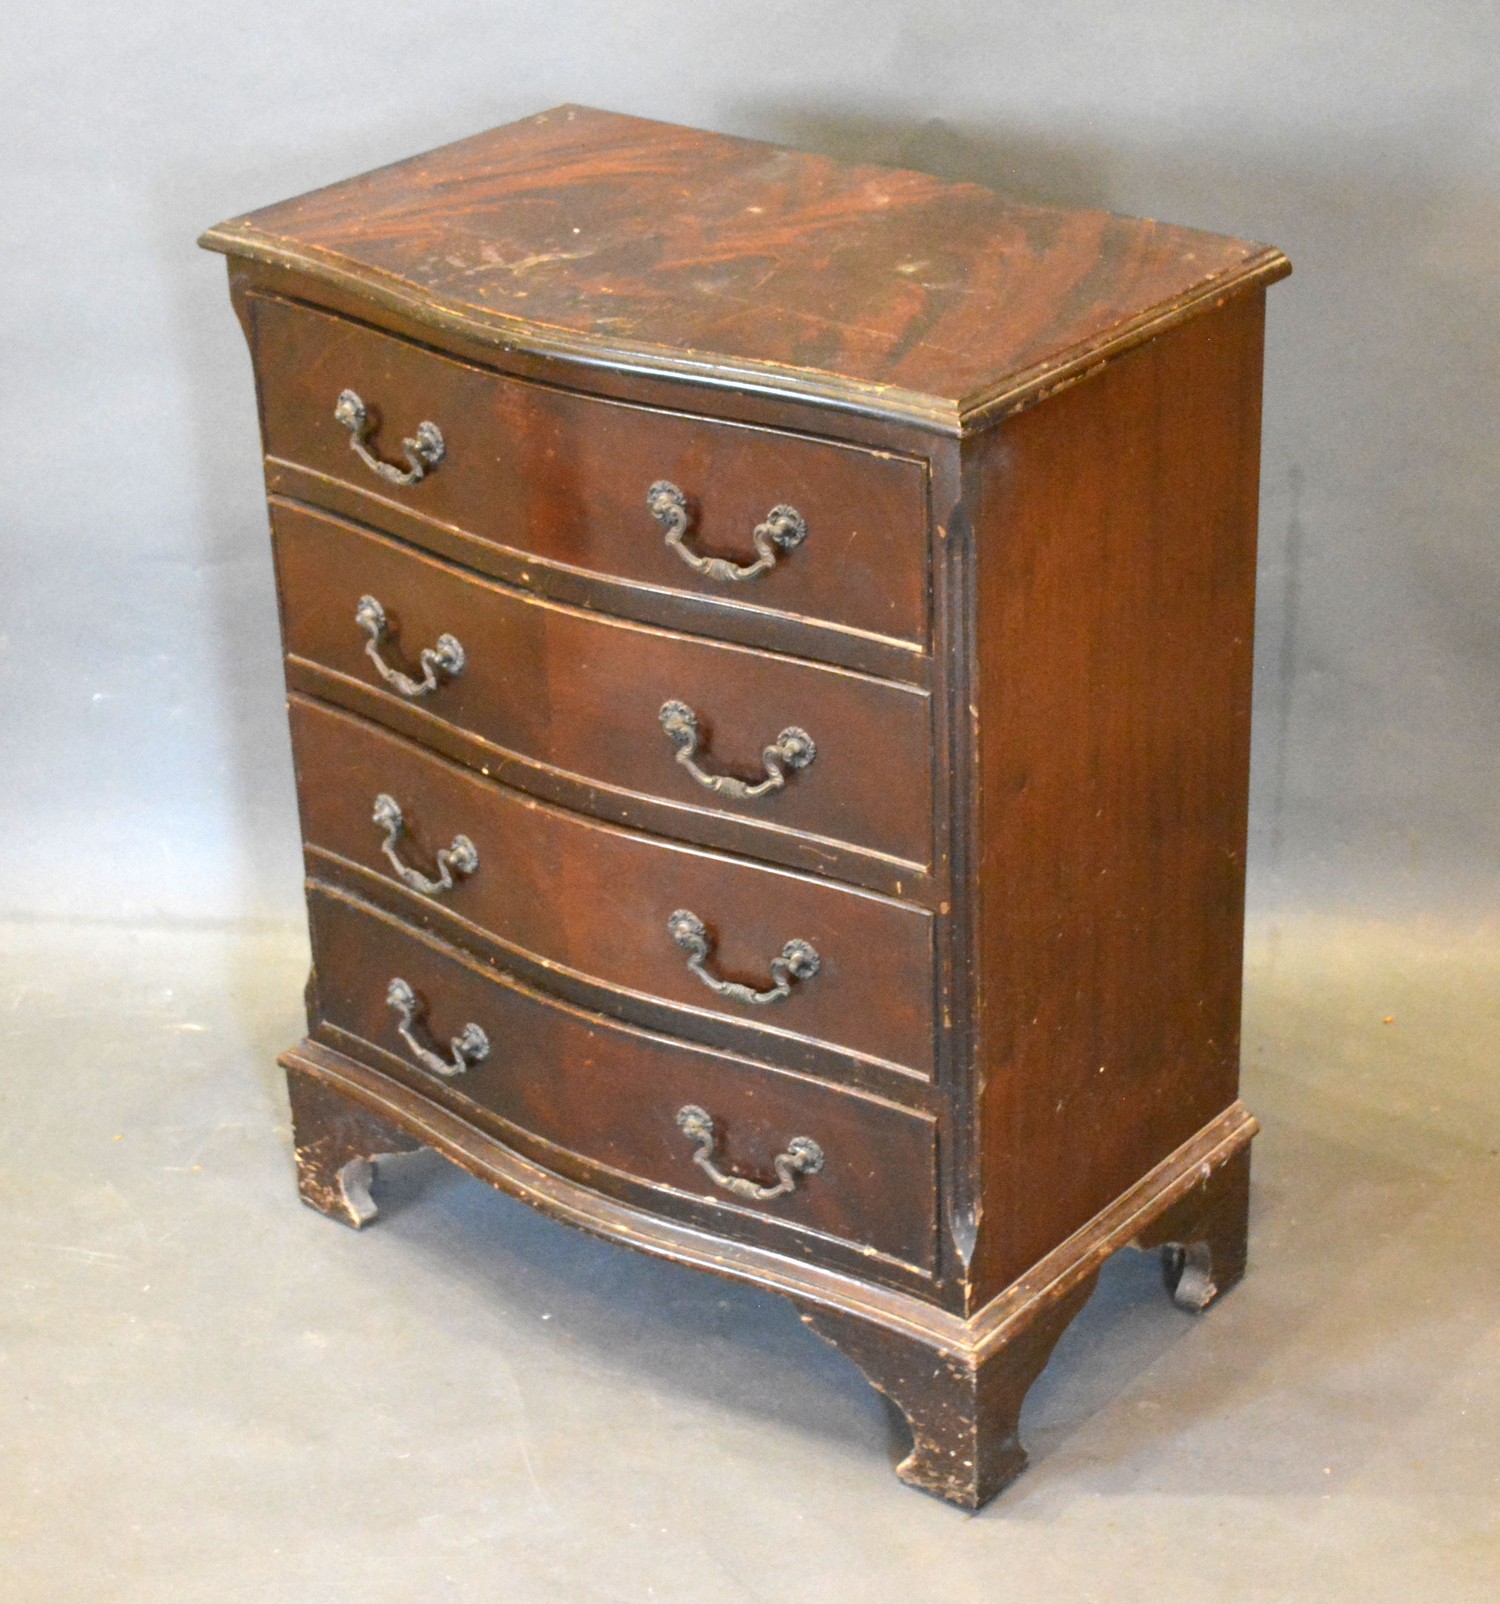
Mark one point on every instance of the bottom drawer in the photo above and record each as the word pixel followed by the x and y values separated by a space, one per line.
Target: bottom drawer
pixel 613 1096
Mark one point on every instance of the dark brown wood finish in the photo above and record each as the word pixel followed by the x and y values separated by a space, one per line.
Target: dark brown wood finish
pixel 959 1383
pixel 723 831
pixel 1022 652
pixel 559 480
pixel 574 894
pixel 697 394
pixel 962 1398
pixel 615 239
pixel 337 1142
pixel 1114 692
pixel 713 616
pixel 592 1097
pixel 580 694
pixel 1203 1238
pixel 963 1409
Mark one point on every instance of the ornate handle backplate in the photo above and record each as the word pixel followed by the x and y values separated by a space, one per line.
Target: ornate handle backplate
pixel 784 527
pixel 462 856
pixel 803 1156
pixel 423 450
pixel 792 749
pixel 447 657
pixel 469 1046
pixel 798 961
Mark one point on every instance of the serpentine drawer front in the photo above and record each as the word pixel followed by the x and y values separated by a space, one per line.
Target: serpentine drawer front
pixel 768 646
pixel 574 693
pixel 567 478
pixel 599 901
pixel 611 1096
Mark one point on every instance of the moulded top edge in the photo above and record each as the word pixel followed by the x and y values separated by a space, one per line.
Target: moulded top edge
pixel 639 245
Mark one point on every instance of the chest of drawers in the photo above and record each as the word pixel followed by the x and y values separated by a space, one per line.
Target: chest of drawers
pixel 768 646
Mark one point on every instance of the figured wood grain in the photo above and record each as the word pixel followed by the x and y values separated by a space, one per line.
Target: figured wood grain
pixel 703 395
pixel 1113 694
pixel 546 473
pixel 596 899
pixel 582 693
pixel 609 1095
pixel 611 238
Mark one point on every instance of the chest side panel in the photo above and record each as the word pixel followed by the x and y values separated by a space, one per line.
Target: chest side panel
pixel 1115 570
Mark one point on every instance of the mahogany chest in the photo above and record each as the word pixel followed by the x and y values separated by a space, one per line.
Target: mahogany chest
pixel 768 652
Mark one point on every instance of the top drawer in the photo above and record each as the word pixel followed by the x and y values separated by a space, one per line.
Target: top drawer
pixel 563 479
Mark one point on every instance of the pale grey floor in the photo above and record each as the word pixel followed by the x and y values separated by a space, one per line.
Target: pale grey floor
pixel 208 1392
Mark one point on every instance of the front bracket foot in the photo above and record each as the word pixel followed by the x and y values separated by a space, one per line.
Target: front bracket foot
pixel 337 1141
pixel 963 1406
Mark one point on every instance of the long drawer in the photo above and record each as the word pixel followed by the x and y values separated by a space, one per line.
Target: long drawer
pixel 569 692
pixel 565 1085
pixel 567 478
pixel 609 904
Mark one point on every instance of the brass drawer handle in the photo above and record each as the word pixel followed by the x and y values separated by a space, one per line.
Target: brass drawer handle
pixel 424 450
pixel 462 856
pixel 447 657
pixel 798 961
pixel 792 749
pixel 784 527
pixel 803 1156
pixel 469 1046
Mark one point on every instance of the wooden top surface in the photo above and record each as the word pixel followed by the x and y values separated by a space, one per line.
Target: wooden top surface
pixel 641 244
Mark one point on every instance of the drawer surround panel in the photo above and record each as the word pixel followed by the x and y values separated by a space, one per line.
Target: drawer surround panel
pixel 610 1094
pixel 582 693
pixel 596 899
pixel 564 477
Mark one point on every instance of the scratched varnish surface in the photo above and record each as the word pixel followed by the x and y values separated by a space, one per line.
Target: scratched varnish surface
pixel 654 237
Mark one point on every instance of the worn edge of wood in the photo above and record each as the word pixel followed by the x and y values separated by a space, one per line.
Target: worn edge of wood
pixel 1114 1227
pixel 955 621
pixel 861 651
pixel 317 680
pixel 613 999
pixel 983 407
pixel 972 1340
pixel 965 415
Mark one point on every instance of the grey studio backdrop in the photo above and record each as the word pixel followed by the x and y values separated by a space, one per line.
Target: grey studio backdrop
pixel 207 1392
pixel 147 772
